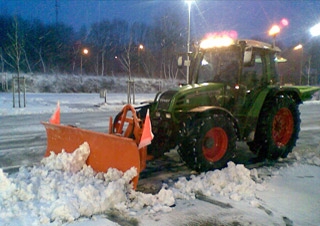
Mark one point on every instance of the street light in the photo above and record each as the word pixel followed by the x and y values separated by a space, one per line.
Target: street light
pixel 189 2
pixel 140 48
pixel 300 47
pixel 85 51
pixel 315 30
pixel 275 29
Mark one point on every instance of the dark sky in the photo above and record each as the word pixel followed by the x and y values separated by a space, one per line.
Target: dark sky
pixel 248 18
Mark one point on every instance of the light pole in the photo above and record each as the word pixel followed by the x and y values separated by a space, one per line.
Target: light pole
pixel 309 63
pixel 300 47
pixel 314 31
pixel 140 48
pixel 189 2
pixel 85 51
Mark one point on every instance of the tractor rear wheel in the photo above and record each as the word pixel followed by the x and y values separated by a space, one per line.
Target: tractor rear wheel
pixel 278 128
pixel 208 143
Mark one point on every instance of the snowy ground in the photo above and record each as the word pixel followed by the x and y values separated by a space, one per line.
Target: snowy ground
pixel 63 190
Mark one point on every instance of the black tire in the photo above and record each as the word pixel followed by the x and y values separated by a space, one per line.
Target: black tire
pixel 207 143
pixel 278 128
pixel 163 139
pixel 158 146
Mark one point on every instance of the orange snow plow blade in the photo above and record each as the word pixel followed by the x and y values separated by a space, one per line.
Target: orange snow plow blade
pixel 113 150
pixel 106 151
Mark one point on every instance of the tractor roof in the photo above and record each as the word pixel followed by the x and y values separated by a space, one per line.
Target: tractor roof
pixel 220 42
pixel 259 44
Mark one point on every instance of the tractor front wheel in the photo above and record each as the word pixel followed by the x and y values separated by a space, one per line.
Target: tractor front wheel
pixel 208 143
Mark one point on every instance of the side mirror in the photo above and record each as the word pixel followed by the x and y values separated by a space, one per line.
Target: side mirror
pixel 180 61
pixel 183 60
pixel 248 57
pixel 280 59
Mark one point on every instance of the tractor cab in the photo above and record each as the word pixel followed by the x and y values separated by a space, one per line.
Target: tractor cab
pixel 243 68
pixel 234 62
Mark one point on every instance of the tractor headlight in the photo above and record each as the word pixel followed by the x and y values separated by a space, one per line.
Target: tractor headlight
pixel 158 114
pixel 168 115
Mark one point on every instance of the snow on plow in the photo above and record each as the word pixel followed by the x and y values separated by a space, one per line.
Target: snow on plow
pixel 113 150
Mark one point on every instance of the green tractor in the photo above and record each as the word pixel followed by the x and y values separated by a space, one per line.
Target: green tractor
pixel 233 95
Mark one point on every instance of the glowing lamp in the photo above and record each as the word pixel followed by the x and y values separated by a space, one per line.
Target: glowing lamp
pixel 298 47
pixel 85 51
pixel 275 29
pixel 216 42
pixel 315 30
pixel 284 22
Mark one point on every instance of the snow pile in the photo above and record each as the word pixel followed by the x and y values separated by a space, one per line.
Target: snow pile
pixel 233 182
pixel 63 188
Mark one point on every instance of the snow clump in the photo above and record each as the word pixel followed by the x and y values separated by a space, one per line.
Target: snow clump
pixel 233 182
pixel 6 187
pixel 69 162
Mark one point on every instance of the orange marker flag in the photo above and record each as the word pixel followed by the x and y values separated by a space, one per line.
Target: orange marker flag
pixel 147 134
pixel 55 118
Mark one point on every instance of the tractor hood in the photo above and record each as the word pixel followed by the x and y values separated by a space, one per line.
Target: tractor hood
pixel 188 97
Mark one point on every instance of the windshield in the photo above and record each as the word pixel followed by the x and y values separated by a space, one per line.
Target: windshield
pixel 219 65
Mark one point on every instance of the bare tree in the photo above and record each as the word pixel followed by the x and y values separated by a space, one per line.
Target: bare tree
pixel 41 60
pixel 15 51
pixel 149 63
pixel 99 39
pixel 26 60
pixel 168 32
pixel 2 60
pixel 103 53
pixel 125 59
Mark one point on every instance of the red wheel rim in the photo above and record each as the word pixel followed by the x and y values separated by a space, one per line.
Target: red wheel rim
pixel 215 144
pixel 282 127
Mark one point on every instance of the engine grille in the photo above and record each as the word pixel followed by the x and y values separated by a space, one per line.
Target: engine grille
pixel 165 99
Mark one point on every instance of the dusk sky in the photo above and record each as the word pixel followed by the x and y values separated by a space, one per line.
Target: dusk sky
pixel 248 18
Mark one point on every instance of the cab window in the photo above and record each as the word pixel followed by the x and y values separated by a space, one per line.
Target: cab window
pixel 252 75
